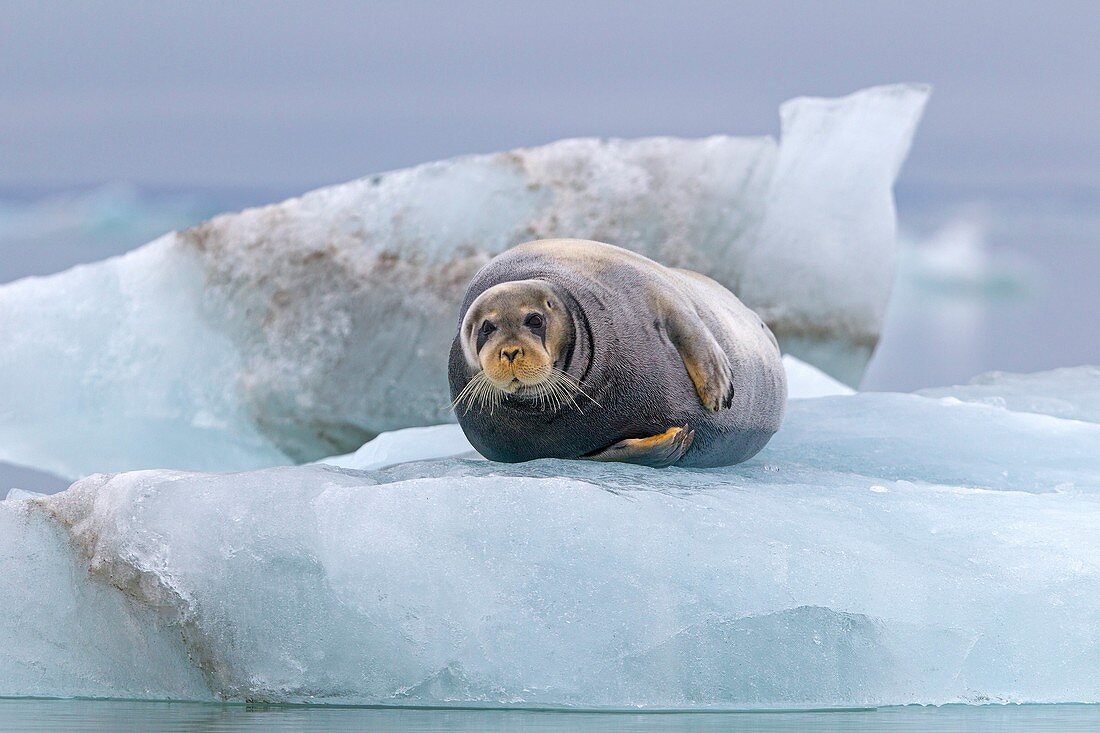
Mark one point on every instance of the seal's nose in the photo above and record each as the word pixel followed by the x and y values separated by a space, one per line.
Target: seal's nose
pixel 510 354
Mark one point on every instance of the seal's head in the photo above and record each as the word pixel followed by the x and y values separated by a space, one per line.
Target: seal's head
pixel 515 337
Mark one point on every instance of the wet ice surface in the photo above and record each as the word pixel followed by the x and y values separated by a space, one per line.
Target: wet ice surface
pixel 883 549
pixel 290 332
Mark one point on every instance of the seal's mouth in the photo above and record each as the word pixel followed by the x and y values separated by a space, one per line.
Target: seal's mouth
pixel 552 390
pixel 515 381
pixel 517 388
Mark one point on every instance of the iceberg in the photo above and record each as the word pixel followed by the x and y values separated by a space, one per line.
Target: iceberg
pixel 882 549
pixel 294 331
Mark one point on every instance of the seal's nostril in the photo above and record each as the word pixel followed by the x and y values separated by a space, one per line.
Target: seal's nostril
pixel 510 354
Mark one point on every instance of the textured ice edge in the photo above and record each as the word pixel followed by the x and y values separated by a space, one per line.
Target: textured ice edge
pixel 289 332
pixel 883 549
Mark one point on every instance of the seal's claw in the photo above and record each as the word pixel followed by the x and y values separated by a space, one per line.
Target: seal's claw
pixel 713 379
pixel 728 402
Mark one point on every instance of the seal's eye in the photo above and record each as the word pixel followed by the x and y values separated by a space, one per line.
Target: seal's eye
pixel 483 333
pixel 533 322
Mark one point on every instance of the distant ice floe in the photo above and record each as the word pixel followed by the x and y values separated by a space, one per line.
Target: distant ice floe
pixel 957 262
pixel 882 549
pixel 1068 393
pixel 952 289
pixel 43 234
pixel 294 331
pixel 113 210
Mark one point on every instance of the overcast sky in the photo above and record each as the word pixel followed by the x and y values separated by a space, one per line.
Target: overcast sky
pixel 291 95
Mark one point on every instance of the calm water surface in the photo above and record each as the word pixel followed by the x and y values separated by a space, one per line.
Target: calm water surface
pixel 95 715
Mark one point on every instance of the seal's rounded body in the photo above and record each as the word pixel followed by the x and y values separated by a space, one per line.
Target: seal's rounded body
pixel 651 349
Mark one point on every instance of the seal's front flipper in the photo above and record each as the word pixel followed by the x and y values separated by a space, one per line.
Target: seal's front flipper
pixel 657 451
pixel 707 364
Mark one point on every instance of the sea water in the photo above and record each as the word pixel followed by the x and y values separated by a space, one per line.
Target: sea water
pixel 82 716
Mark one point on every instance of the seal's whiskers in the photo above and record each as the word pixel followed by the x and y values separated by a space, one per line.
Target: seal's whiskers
pixel 479 391
pixel 574 384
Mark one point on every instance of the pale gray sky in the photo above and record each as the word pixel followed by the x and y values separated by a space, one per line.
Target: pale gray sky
pixel 291 95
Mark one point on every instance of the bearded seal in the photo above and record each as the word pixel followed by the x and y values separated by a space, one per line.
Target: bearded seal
pixel 576 349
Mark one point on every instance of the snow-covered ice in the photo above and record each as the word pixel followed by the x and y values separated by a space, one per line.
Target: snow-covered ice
pixel 299 330
pixel 805 380
pixel 882 549
pixel 407 444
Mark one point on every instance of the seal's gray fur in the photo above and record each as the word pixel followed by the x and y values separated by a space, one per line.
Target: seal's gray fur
pixel 623 356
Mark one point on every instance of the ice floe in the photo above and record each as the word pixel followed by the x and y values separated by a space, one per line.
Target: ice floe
pixel 882 549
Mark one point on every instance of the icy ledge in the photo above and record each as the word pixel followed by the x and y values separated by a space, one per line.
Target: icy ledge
pixel 883 549
pixel 299 330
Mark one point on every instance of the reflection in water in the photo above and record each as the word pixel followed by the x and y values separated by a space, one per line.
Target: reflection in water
pixel 93 715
